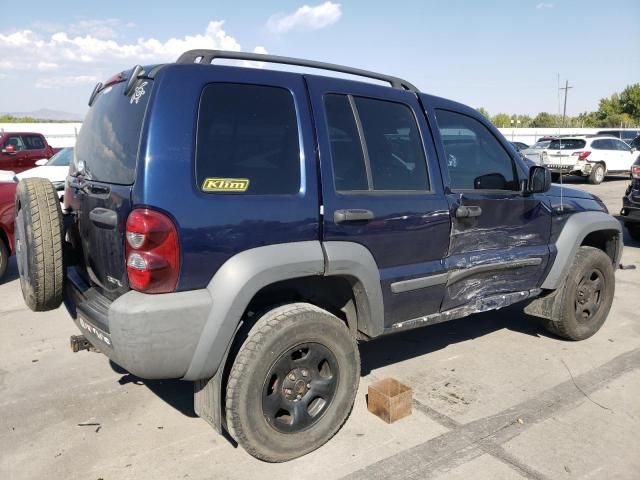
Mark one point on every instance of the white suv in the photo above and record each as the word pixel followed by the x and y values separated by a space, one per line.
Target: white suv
pixel 591 156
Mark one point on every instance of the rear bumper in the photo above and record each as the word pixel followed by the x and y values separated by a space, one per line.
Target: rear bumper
pixel 630 210
pixel 151 336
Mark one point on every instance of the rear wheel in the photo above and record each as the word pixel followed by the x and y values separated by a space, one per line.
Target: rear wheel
pixel 596 176
pixel 38 232
pixel 634 231
pixel 293 382
pixel 586 296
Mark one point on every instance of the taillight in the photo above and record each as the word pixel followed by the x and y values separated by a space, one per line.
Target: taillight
pixel 582 155
pixel 153 252
pixel 635 171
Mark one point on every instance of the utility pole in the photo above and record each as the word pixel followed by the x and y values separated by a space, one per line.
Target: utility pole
pixel 566 90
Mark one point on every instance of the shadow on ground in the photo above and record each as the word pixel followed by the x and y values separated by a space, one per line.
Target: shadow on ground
pixel 422 341
pixel 177 393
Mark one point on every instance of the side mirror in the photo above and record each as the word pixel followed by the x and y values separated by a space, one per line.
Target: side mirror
pixel 490 181
pixel 41 162
pixel 539 179
pixel 9 149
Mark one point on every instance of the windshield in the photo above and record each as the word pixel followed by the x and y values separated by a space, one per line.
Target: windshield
pixel 540 145
pixel 567 144
pixel 61 159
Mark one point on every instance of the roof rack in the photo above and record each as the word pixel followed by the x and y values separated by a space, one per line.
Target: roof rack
pixel 207 57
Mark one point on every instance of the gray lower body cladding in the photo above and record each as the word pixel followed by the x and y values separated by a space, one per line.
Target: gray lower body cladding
pixel 185 334
pixel 151 336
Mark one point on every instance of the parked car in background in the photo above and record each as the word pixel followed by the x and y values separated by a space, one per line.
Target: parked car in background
pixel 635 143
pixel 7 208
pixel 631 203
pixel 534 152
pixel 624 135
pixel 519 146
pixel 55 169
pixel 592 156
pixel 20 151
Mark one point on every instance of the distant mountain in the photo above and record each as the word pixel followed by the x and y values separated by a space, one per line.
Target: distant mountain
pixel 48 114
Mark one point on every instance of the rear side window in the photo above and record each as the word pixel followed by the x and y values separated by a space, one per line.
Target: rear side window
pixel 567 144
pixel 247 140
pixel 110 135
pixel 33 142
pixel 386 155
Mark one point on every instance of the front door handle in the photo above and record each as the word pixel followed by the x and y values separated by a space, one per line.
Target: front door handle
pixel 352 215
pixel 467 211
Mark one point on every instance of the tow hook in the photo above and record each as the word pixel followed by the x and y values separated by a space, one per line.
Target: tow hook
pixel 79 343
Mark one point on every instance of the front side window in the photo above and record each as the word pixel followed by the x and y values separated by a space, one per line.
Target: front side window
pixel 620 145
pixel 247 137
pixel 16 142
pixel 475 158
pixel 383 153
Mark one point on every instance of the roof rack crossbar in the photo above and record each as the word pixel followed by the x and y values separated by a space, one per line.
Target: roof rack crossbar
pixel 207 57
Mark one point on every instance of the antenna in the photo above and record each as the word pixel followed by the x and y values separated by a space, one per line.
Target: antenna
pixel 560 146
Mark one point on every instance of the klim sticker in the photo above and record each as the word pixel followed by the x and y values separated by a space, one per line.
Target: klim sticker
pixel 225 185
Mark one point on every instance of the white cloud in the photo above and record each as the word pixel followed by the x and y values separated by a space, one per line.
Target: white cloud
pixel 89 56
pixel 46 66
pixel 306 18
pixel 64 81
pixel 541 6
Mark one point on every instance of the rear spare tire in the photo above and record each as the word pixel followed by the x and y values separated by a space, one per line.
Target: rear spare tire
pixel 38 232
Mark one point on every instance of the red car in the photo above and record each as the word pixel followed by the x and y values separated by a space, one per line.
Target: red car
pixel 7 217
pixel 20 151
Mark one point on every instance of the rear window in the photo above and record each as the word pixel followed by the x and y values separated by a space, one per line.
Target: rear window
pixel 110 135
pixel 567 144
pixel 247 140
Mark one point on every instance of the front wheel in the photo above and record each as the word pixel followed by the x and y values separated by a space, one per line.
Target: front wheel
pixel 586 296
pixel 293 382
pixel 596 177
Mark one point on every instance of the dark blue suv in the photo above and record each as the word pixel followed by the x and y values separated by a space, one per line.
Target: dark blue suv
pixel 246 228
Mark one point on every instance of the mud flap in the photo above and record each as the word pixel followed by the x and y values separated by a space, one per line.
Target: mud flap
pixel 207 402
pixel 545 306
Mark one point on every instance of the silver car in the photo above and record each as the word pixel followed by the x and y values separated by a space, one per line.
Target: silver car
pixel 534 152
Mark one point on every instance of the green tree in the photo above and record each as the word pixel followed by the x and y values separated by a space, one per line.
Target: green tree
pixel 501 120
pixel 545 120
pixel 630 102
pixel 484 112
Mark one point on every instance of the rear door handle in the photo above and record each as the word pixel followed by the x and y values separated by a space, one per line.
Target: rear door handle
pixel 352 215
pixel 104 218
pixel 467 211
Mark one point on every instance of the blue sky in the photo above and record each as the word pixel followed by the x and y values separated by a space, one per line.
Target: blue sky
pixel 500 54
